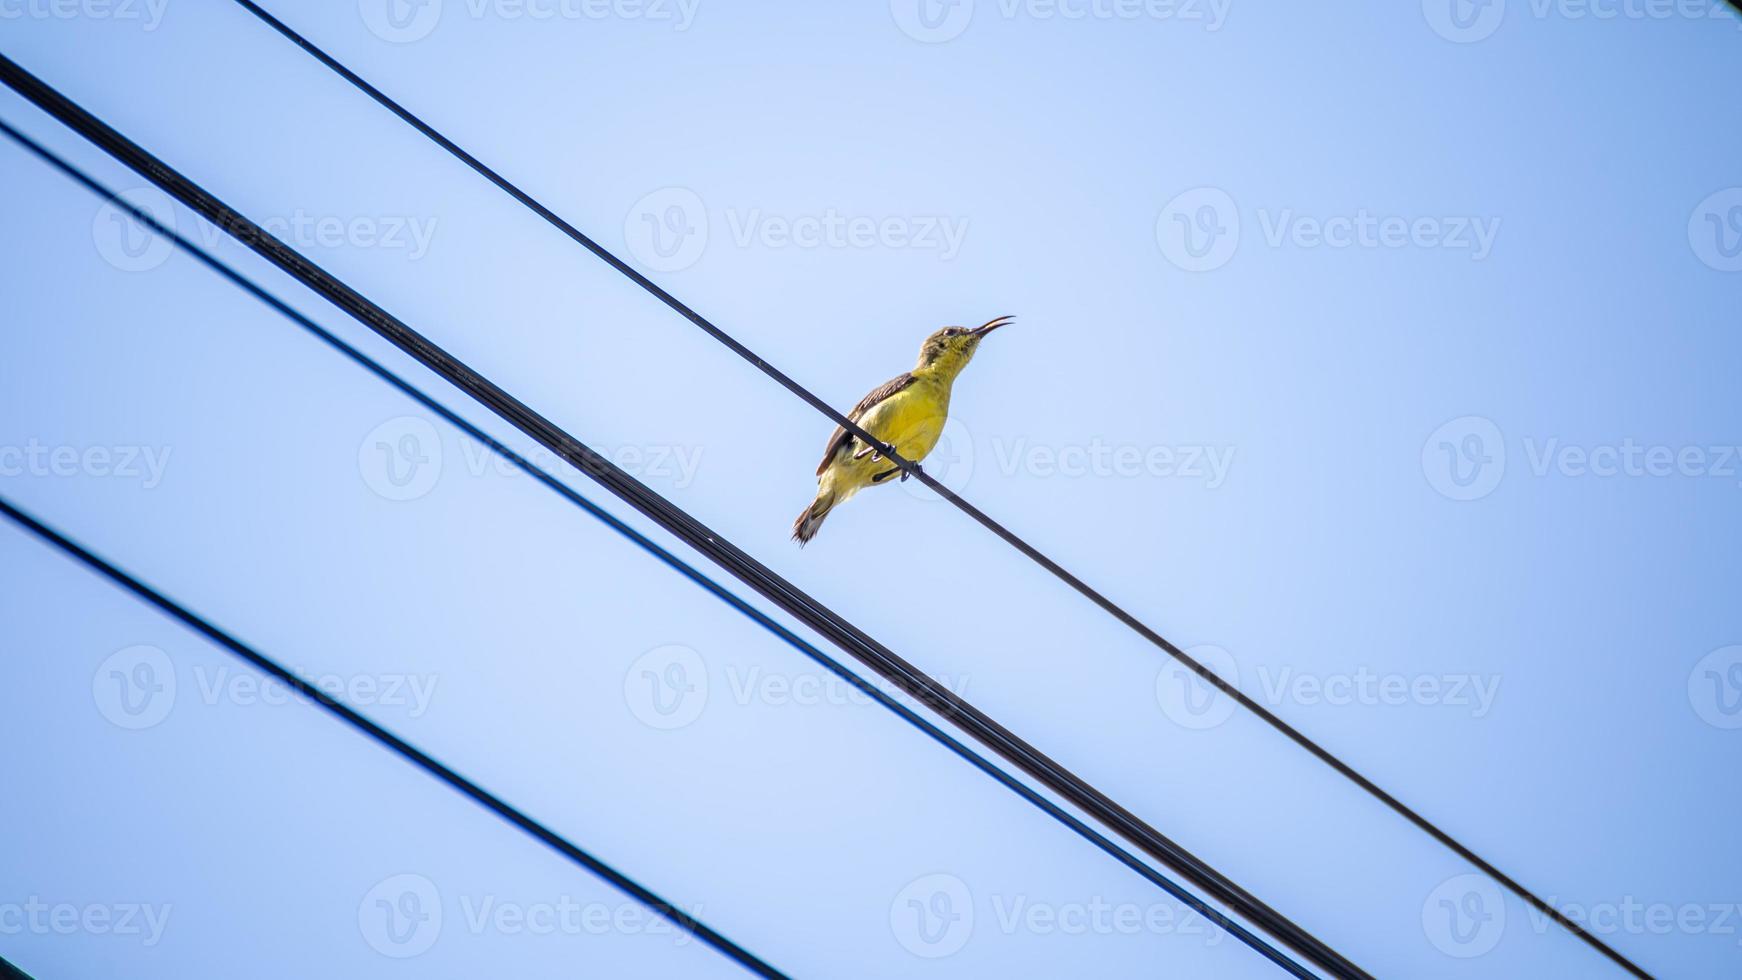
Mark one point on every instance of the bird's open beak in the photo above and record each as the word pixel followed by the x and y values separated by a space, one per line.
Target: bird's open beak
pixel 991 326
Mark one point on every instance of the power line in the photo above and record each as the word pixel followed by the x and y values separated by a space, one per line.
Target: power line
pixel 1010 537
pixel 735 560
pixel 924 690
pixel 648 545
pixel 412 753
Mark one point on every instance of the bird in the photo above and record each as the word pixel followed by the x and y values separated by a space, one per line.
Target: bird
pixel 905 413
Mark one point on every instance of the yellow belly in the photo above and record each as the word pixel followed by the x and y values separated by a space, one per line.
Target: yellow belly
pixel 911 420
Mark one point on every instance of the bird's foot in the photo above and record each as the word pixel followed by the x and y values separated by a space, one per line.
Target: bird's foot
pixel 877 453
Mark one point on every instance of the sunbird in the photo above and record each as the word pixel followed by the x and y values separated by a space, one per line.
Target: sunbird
pixel 906 413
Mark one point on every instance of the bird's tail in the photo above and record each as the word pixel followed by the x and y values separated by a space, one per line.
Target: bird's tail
pixel 805 528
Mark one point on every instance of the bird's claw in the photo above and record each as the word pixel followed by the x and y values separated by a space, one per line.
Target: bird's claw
pixel 877 453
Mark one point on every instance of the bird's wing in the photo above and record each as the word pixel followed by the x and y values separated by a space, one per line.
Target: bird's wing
pixel 841 436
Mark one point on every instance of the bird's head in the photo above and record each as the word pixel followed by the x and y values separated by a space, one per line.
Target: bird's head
pixel 950 349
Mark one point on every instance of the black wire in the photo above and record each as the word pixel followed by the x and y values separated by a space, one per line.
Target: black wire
pixel 735 560
pixel 648 545
pixel 1118 612
pixel 683 920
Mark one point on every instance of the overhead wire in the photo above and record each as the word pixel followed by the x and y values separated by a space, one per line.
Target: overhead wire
pixel 687 528
pixel 423 760
pixel 1118 612
pixel 1046 805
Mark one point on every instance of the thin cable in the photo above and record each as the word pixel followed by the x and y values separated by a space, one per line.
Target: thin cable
pixel 423 760
pixel 735 560
pixel 1118 612
pixel 647 545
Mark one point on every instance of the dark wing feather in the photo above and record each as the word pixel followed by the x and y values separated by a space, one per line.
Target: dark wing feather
pixel 841 437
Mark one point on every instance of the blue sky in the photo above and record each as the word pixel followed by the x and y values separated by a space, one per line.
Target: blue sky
pixel 1330 327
